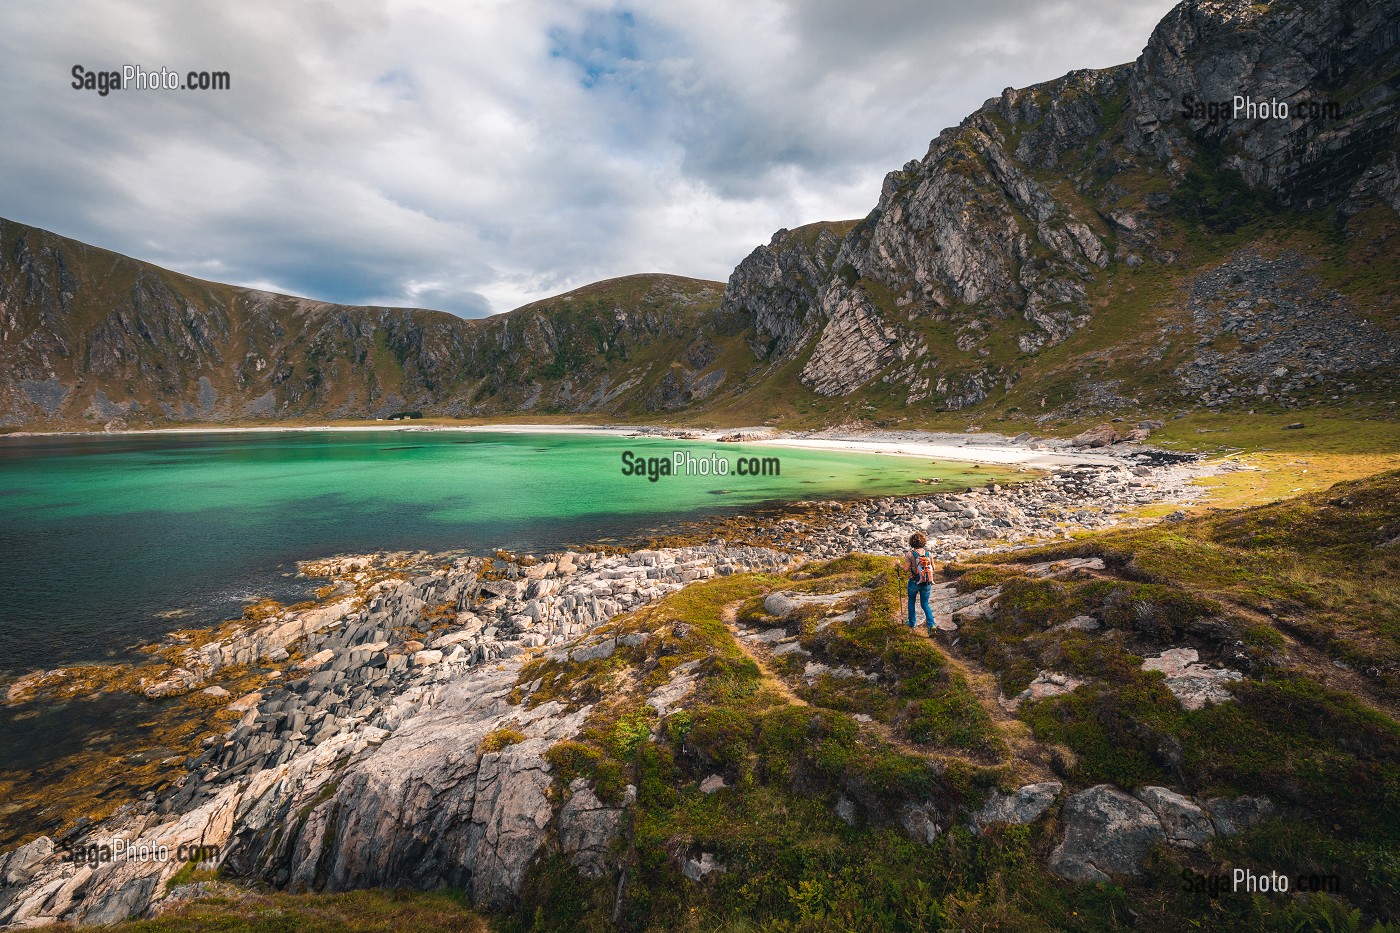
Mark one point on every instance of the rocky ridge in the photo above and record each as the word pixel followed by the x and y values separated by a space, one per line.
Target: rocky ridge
pixel 374 731
pixel 986 519
pixel 1002 233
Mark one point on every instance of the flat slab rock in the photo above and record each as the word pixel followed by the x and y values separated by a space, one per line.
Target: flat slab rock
pixel 1046 684
pixel 783 605
pixel 1191 682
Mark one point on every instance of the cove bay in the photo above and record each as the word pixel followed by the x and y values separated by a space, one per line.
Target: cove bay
pixel 110 541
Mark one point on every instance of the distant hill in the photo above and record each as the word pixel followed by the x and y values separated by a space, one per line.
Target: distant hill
pixel 91 337
pixel 1095 244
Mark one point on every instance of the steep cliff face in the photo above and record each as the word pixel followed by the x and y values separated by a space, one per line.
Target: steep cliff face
pixel 1006 238
pixel 779 286
pixel 1312 56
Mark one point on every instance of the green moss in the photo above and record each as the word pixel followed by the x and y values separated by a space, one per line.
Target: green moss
pixel 630 731
pixel 498 739
pixel 572 760
pixel 955 720
pixel 1116 732
pixel 967 578
pixel 1296 740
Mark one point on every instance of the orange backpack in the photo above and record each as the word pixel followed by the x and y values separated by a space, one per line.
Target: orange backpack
pixel 923 568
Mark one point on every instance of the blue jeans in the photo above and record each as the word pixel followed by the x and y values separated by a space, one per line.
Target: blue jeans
pixel 922 590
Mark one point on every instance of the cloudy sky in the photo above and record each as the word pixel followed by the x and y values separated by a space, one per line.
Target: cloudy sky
pixel 474 155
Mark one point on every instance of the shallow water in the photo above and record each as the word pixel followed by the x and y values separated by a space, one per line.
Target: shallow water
pixel 109 541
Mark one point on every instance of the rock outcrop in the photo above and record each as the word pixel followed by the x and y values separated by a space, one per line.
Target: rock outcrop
pixel 1109 833
pixel 1017 809
pixel 383 762
pixel 777 286
pixel 1193 683
pixel 976 241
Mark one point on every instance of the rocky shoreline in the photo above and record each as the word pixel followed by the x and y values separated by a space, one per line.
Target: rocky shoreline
pixel 383 746
pixel 985 519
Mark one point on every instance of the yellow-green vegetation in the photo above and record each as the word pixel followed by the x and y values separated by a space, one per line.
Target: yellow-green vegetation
pixel 229 909
pixel 1332 445
pixel 1284 591
pixel 116 764
pixel 497 739
pixel 790 862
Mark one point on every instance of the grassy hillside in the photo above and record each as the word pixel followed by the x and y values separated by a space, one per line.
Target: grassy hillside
pixel 92 337
pixel 810 828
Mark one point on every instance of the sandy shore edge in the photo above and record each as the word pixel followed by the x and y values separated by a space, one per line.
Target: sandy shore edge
pixel 971 448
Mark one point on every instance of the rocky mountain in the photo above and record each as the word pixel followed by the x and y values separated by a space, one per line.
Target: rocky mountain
pixel 1038 221
pixel 91 337
pixel 1112 240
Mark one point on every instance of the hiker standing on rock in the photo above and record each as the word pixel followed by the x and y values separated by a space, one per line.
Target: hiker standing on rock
pixel 919 563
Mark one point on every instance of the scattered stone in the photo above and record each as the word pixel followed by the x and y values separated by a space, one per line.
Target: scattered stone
pixel 781 605
pixel 770 636
pixel 246 702
pixel 697 869
pixel 1233 816
pixel 1105 435
pixel 316 660
pixel 1077 624
pixel 1193 684
pixel 1018 809
pixel 921 822
pixel 680 686
pixel 1047 684
pixel 1107 833
pixel 1184 823
pixel 594 652
pixel 176 683
pixel 846 810
pixel 712 783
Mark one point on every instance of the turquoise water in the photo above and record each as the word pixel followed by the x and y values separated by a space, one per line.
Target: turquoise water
pixel 109 541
